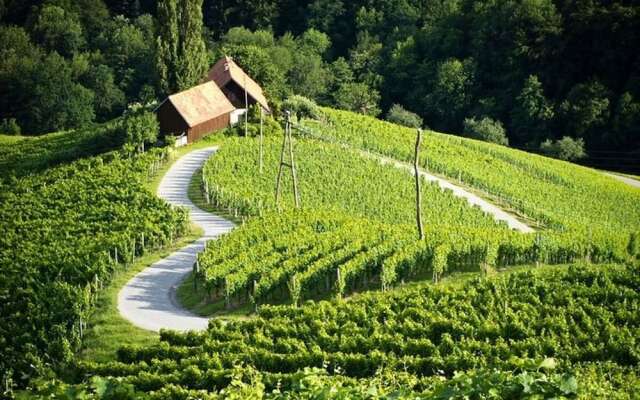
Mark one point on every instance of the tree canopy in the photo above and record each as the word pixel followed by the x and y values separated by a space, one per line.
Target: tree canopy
pixel 545 69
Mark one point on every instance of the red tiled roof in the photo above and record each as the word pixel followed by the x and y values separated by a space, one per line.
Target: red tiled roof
pixel 201 103
pixel 226 70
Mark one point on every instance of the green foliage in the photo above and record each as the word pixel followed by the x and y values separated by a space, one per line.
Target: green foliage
pixel 36 154
pixel 358 97
pixel 128 48
pixel 301 107
pixel 181 59
pixel 140 127
pixel 567 148
pixel 9 126
pixel 82 64
pixel 492 336
pixel 399 115
pixel 53 100
pixel 317 383
pixel 532 112
pixel 58 30
pixel 451 94
pixel 65 232
pixel 485 129
pixel 108 96
pixel 586 107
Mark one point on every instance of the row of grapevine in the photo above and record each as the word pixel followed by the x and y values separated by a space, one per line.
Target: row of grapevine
pixel 560 195
pixel 581 315
pixel 37 153
pixel 64 232
pixel 331 178
pixel 298 255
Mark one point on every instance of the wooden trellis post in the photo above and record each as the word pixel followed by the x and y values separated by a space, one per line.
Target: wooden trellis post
pixel 417 177
pixel 246 107
pixel 287 142
pixel 260 157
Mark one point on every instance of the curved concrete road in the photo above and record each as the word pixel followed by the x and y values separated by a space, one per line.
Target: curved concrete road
pixel 627 180
pixel 148 300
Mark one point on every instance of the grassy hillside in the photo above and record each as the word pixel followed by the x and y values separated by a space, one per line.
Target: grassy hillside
pixel 566 330
pixel 22 155
pixel 65 231
pixel 330 177
pixel 311 253
pixel 561 195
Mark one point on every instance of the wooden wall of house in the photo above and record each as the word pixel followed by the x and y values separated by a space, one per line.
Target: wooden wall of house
pixel 207 127
pixel 235 94
pixel 171 122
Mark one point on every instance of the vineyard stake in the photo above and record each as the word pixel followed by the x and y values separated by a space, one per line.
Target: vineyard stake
pixel 261 141
pixel 417 176
pixel 246 107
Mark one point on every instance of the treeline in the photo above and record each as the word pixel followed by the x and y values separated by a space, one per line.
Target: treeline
pixel 539 70
pixel 65 64
pixel 544 69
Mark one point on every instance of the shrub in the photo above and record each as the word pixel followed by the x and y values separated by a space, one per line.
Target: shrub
pixel 358 97
pixel 270 127
pixel 567 148
pixel 485 129
pixel 301 107
pixel 399 115
pixel 10 127
pixel 140 127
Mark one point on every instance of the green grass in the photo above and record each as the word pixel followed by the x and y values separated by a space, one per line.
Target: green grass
pixel 107 330
pixel 11 139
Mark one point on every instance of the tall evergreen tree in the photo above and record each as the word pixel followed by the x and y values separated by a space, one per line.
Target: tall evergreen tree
pixel 181 57
pixel 192 53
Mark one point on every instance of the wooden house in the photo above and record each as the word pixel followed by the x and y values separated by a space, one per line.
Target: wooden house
pixel 195 112
pixel 239 88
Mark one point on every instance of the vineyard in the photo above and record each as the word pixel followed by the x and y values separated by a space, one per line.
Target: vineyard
pixel 34 154
pixel 342 300
pixel 560 195
pixel 584 317
pixel 64 232
pixel 331 177
pixel 270 261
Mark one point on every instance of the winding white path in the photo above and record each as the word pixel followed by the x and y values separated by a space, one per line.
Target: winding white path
pixel 627 180
pixel 148 300
pixel 473 200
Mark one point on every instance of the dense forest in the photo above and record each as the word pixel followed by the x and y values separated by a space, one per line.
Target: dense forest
pixel 536 71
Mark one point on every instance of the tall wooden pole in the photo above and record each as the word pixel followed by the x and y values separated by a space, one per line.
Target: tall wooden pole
pixel 284 144
pixel 293 165
pixel 261 140
pixel 417 176
pixel 246 107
